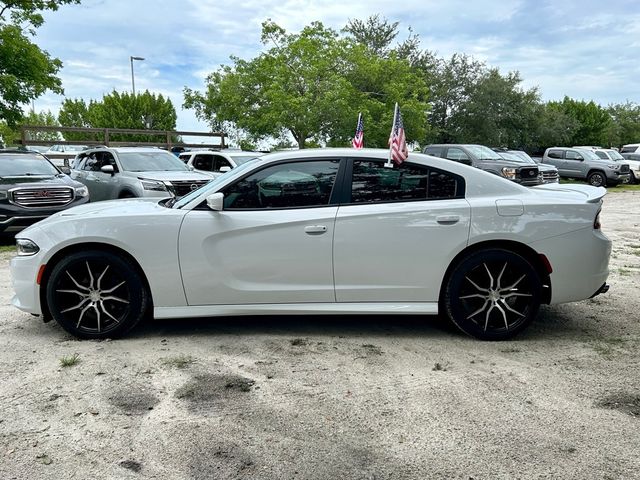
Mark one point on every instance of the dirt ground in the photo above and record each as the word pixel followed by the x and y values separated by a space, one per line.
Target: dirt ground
pixel 333 398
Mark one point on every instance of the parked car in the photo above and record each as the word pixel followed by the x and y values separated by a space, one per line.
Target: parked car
pixel 32 188
pixel 613 155
pixel 128 172
pixel 340 234
pixel 217 162
pixel 584 164
pixel 486 159
pixel 631 148
pixel 549 172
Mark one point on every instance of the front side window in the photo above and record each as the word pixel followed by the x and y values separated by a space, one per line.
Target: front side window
pixel 602 155
pixel 286 185
pixel 221 162
pixel 203 162
pixel 374 183
pixel 91 164
pixel 456 154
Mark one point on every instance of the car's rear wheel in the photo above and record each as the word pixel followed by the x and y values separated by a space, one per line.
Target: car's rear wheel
pixel 492 294
pixel 632 179
pixel 597 179
pixel 96 294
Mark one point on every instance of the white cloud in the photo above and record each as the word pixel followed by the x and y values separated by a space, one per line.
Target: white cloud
pixel 584 49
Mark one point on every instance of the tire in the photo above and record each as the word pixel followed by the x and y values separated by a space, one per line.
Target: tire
pixel 126 195
pixel 492 294
pixel 597 179
pixel 96 294
pixel 632 179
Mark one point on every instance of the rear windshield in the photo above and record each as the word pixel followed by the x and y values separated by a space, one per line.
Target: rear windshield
pixel 25 165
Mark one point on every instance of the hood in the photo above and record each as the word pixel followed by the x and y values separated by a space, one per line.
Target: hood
pixel 164 176
pixel 543 167
pixel 586 193
pixel 33 181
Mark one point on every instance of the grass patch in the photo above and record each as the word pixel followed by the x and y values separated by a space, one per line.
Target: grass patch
pixel 7 248
pixel 299 342
pixel 69 360
pixel 624 272
pixel 180 361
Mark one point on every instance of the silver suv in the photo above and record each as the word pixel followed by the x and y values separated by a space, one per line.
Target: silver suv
pixel 584 164
pixel 127 172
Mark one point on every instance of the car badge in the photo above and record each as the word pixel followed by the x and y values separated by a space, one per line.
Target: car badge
pixel 194 187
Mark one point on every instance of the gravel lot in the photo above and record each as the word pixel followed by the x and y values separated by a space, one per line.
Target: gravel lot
pixel 333 398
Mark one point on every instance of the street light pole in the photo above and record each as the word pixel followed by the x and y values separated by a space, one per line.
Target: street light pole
pixel 133 82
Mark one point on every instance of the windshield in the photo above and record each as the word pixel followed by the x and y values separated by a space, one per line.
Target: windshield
pixel 482 153
pixel 25 165
pixel 512 157
pixel 589 154
pixel 615 155
pixel 75 148
pixel 213 184
pixel 523 155
pixel 151 162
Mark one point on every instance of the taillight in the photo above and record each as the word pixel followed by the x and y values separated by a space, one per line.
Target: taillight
pixel 596 222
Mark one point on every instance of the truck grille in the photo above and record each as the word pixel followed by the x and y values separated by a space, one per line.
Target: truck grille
pixel 182 187
pixel 42 197
pixel 624 168
pixel 549 177
pixel 529 176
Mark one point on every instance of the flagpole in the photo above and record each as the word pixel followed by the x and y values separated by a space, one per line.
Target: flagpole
pixel 389 163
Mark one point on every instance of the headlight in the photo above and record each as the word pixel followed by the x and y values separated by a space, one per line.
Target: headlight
pixel 26 247
pixel 614 167
pixel 3 195
pixel 82 192
pixel 154 185
pixel 509 172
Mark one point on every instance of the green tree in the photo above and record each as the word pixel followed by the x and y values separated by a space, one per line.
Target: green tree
pixel 26 71
pixel 625 123
pixel 120 110
pixel 312 85
pixel 42 119
pixel 593 122
pixel 499 112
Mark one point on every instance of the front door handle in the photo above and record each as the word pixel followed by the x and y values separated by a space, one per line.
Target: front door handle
pixel 315 229
pixel 448 219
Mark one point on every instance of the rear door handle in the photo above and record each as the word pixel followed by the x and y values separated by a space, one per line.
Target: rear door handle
pixel 448 219
pixel 315 229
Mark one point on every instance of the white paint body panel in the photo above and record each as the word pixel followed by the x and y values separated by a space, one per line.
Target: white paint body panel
pixel 397 252
pixel 377 258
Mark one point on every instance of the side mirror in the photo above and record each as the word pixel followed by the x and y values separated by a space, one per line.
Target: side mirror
pixel 215 202
pixel 225 169
pixel 580 157
pixel 65 170
pixel 191 167
pixel 107 169
pixel 466 161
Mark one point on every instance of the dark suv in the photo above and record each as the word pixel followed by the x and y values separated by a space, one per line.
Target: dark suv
pixel 486 159
pixel 32 188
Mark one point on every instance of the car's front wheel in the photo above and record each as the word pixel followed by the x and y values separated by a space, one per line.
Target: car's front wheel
pixel 492 294
pixel 96 294
pixel 597 179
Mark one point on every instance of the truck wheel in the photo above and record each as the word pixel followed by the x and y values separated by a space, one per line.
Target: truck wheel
pixel 597 179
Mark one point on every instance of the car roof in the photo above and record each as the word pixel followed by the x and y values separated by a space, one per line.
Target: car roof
pixel 128 149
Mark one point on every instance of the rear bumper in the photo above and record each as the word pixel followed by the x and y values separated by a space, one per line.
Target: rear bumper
pixel 580 262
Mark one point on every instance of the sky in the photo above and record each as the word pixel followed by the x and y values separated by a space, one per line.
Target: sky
pixel 587 49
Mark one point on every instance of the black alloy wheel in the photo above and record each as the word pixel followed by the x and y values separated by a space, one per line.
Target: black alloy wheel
pixel 492 294
pixel 96 294
pixel 597 179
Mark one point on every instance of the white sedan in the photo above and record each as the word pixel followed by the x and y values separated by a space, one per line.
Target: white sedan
pixel 329 231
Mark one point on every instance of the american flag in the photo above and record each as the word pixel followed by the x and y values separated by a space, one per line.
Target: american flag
pixel 358 140
pixel 397 142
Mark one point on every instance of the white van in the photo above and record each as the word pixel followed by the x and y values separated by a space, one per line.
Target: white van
pixel 630 148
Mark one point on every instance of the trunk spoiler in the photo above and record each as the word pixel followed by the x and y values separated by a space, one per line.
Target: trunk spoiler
pixel 592 194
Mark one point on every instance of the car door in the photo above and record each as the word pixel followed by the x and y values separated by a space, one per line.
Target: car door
pixel 87 175
pixel 573 164
pixel 272 241
pixel 398 232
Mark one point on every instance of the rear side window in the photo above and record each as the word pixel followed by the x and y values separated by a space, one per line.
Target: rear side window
pixel 203 162
pixel 373 183
pixel 628 149
pixel 555 154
